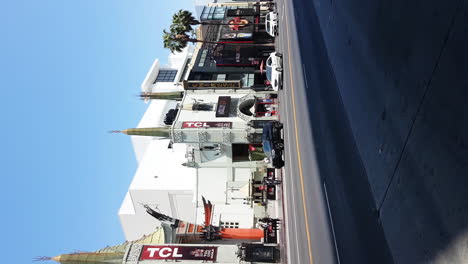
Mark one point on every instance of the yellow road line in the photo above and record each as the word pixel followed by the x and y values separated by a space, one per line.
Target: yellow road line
pixel 298 147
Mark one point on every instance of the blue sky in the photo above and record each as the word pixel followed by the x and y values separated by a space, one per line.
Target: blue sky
pixel 70 72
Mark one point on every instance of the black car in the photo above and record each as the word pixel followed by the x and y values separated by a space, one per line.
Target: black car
pixel 273 144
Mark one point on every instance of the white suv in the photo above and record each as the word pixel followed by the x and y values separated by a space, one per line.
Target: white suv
pixel 271 23
pixel 274 70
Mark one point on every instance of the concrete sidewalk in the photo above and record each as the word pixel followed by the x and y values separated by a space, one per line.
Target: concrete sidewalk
pixel 275 209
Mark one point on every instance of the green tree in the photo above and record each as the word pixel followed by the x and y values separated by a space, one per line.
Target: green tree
pixel 176 41
pixel 184 20
pixel 173 43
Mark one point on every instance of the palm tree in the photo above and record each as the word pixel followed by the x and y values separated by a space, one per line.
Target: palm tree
pixel 173 43
pixel 176 41
pixel 185 20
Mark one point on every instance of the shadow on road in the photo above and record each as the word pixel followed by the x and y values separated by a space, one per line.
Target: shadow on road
pixel 398 75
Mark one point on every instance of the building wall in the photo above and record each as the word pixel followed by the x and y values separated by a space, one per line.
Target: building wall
pixel 136 222
pixel 212 184
pixel 176 61
pixel 209 97
pixel 161 182
pixel 234 60
pixel 237 130
pixel 230 214
pixel 225 188
pixel 175 190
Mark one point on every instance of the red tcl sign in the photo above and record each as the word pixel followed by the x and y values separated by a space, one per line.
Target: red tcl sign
pixel 206 124
pixel 178 252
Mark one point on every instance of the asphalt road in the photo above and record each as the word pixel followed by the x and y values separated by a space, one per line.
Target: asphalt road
pixel 330 214
pixel 374 104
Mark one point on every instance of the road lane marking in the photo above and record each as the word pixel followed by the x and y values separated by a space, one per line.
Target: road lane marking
pixel 305 75
pixel 294 211
pixel 298 147
pixel 290 210
pixel 289 200
pixel 282 15
pixel 331 221
pixel 289 193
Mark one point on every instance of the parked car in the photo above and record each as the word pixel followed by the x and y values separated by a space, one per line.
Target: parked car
pixel 274 70
pixel 273 144
pixel 271 23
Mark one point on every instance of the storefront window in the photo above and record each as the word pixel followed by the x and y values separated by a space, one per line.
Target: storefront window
pixel 213 13
pixel 201 63
pixel 234 76
pixel 220 77
pixel 248 80
pixel 267 106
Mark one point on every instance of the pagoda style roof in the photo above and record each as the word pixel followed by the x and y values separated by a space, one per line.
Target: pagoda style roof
pixel 110 254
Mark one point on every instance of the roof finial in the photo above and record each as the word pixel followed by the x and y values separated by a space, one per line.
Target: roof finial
pixel 42 258
pixel 146 131
pixel 178 95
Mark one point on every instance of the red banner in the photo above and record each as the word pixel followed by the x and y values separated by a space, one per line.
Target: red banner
pixel 179 252
pixel 206 124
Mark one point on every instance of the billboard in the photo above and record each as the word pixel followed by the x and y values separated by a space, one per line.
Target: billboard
pixel 234 35
pixel 202 124
pixel 224 106
pixel 192 85
pixel 166 252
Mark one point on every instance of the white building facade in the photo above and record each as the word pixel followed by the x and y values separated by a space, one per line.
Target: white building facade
pixel 219 127
pixel 160 180
pixel 207 153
